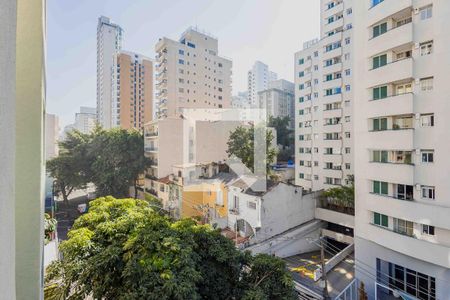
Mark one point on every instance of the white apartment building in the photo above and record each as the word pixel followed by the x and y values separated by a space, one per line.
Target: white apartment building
pixel 85 120
pixel 401 135
pixel 51 136
pixel 191 74
pixel 278 100
pixel 240 101
pixel 259 78
pixel 109 42
pixel 323 101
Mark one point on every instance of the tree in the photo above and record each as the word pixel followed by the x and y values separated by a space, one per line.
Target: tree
pixel 285 135
pixel 343 197
pixel 111 159
pixel 71 168
pixel 118 159
pixel 123 249
pixel 241 144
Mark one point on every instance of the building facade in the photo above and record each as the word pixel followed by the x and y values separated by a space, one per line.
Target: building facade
pixel 278 100
pixel 85 120
pixel 401 128
pixel 191 74
pixel 22 132
pixel 323 101
pixel 259 78
pixel 132 88
pixel 109 42
pixel 240 101
pixel 51 136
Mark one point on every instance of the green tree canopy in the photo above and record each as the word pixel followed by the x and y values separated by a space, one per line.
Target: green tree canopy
pixel 123 249
pixel 241 144
pixel 285 136
pixel 111 159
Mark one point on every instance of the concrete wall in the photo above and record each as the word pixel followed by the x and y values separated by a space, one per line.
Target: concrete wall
pixel 290 243
pixel 30 101
pixel 7 147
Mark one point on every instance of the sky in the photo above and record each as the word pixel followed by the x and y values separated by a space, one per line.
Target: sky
pixel 248 30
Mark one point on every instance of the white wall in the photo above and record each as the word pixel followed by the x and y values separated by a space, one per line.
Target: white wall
pixel 7 147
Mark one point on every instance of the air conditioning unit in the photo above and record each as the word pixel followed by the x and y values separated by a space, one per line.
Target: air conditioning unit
pixel 417 187
pixel 417 116
pixel 416 46
pixel 416 11
pixel 417 81
pixel 417 151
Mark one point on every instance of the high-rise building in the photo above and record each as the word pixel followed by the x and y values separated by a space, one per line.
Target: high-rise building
pixel 51 136
pixel 191 74
pixel 132 88
pixel 109 42
pixel 22 102
pixel 324 97
pixel 278 100
pixel 240 101
pixel 401 120
pixel 259 78
pixel 85 120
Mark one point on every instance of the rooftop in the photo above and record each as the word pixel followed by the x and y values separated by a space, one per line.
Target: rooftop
pixel 302 267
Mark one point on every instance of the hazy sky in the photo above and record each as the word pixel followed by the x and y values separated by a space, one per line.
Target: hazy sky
pixel 248 30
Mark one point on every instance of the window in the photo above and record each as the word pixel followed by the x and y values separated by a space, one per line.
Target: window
pixel 426 12
pixel 181 61
pixel 316 177
pixel 379 92
pixel 251 204
pixel 349 11
pixel 380 156
pixel 301 61
pixel 181 52
pixel 403 227
pixel 403 89
pixel 376 2
pixel 301 86
pixel 347 41
pixel 236 202
pixel 426 84
pixel 379 29
pixel 301 74
pixel 428 192
pixel 301 175
pixel 427 229
pixel 427 156
pixel 427 120
pixel 380 220
pixel 380 187
pixel 190 45
pixel 379 61
pixel 379 124
pixel 347 166
pixel 347 72
pixel 347 150
pixel 347 56
pixel 426 48
pixel 301 99
pixel 347 134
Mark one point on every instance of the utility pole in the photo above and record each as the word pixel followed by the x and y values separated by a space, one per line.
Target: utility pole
pixel 324 273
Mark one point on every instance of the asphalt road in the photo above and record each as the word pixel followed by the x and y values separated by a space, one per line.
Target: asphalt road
pixel 67 214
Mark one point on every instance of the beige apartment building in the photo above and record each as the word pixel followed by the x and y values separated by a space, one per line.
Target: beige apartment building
pixel 132 87
pixel 191 74
pixel 323 101
pixel 401 145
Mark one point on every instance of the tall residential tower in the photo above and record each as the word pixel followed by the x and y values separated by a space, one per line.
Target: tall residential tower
pixel 324 99
pixel 109 42
pixel 401 119
pixel 132 88
pixel 191 74
pixel 259 78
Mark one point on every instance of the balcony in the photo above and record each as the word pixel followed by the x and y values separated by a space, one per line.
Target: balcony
pixel 386 9
pixel 329 128
pixel 151 134
pixel 398 105
pixel 151 149
pixel 337 8
pixel 392 172
pixel 336 67
pixel 332 98
pixel 333 25
pixel 329 84
pixel 391 139
pixel 332 53
pixel 424 213
pixel 392 72
pixel 393 38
